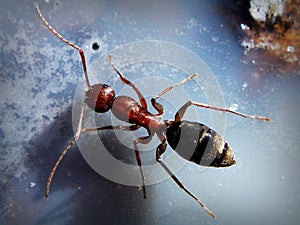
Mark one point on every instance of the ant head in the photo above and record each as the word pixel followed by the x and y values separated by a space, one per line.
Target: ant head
pixel 100 97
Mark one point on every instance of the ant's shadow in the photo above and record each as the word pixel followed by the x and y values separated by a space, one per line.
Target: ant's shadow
pixel 78 195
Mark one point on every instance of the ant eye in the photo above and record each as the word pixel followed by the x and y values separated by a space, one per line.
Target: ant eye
pixel 95 46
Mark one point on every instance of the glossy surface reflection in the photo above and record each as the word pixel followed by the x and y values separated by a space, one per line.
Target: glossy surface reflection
pixel 39 77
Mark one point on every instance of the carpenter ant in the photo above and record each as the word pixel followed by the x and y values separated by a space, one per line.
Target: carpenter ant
pixel 204 145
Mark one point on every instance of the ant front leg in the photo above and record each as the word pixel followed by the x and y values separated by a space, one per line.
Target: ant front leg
pixel 76 137
pixel 183 109
pixel 159 152
pixel 159 108
pixel 124 80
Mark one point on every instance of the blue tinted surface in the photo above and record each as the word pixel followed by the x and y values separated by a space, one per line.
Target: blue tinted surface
pixel 39 75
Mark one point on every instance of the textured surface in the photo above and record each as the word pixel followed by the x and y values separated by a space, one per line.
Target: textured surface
pixel 39 75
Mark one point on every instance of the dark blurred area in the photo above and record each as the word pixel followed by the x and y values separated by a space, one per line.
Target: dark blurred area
pixel 39 76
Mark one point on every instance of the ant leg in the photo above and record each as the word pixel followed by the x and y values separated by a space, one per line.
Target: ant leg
pixel 166 90
pixel 143 140
pixel 182 110
pixel 159 152
pixel 76 137
pixel 53 31
pixel 124 80
pixel 110 127
pixel 159 108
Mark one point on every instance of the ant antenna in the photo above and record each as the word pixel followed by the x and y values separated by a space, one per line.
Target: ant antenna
pixel 53 31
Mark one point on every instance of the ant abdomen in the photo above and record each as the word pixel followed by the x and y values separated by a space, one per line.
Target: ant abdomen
pixel 100 97
pixel 198 143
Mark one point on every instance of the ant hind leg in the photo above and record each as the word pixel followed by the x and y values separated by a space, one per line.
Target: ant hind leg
pixel 159 152
pixel 143 140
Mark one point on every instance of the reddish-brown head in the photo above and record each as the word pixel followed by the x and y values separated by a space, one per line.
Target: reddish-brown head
pixel 100 98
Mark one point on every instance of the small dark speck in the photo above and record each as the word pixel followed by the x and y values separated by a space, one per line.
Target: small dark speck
pixel 55 117
pixel 2 134
pixel 96 46
pixel 45 117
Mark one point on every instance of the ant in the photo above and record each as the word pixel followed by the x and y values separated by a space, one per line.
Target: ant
pixel 208 148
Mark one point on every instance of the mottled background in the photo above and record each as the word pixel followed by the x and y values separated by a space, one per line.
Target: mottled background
pixel 39 76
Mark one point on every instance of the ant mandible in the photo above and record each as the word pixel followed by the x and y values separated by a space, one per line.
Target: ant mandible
pixel 210 148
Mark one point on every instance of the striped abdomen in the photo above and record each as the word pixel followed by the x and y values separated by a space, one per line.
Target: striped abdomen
pixel 198 143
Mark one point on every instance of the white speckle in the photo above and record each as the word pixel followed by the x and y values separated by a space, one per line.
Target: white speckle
pixel 290 48
pixel 32 184
pixel 233 107
pixel 178 32
pixel 248 44
pixel 202 29
pixel 191 23
pixel 245 27
pixel 245 85
pixel 215 39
